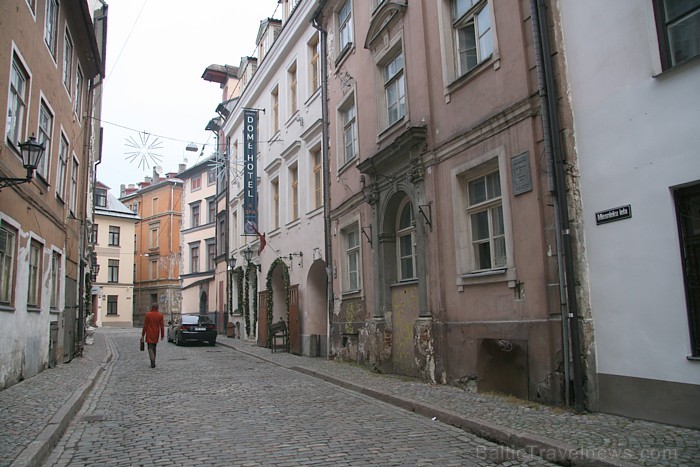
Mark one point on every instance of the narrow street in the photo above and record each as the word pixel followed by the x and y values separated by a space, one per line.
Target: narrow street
pixel 206 405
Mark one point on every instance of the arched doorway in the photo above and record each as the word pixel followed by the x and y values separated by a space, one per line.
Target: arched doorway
pixel 315 312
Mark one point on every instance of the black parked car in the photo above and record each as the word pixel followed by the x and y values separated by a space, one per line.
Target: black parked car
pixel 192 328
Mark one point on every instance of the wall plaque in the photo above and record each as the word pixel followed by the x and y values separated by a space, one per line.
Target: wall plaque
pixel 522 177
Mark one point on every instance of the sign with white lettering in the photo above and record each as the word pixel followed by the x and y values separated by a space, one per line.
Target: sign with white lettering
pixel 522 178
pixel 250 172
pixel 614 214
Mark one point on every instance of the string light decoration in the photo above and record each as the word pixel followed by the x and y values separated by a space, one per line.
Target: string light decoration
pixel 145 150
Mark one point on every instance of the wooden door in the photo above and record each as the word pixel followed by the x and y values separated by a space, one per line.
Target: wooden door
pixel 262 319
pixel 294 324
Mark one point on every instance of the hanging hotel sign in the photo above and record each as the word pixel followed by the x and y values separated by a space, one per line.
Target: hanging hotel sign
pixel 614 214
pixel 250 175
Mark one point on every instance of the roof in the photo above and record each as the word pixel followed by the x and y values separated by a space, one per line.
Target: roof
pixel 115 208
pixel 219 73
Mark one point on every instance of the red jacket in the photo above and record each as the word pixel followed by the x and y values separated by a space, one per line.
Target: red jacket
pixel 152 323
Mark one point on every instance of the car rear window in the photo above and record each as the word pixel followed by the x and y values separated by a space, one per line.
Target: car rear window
pixel 195 319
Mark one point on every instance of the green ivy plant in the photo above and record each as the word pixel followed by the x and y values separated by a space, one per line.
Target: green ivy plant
pixel 251 274
pixel 268 286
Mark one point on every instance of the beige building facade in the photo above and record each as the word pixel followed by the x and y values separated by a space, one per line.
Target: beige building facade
pixel 50 76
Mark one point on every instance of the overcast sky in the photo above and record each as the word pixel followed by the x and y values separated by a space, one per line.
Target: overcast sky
pixel 153 93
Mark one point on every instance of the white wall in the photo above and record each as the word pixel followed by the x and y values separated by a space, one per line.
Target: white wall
pixel 636 138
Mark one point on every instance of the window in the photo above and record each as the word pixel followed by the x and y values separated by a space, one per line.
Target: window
pixel 196 183
pixel 314 63
pixel 194 258
pixel 33 288
pixel 62 168
pixel 352 259
pixel 394 90
pixel 114 235
pixel 7 264
pixel 51 25
pixel 195 215
pixel 212 211
pixel 406 241
pixel 154 206
pixel 275 110
pixel 112 305
pixel 471 21
pixel 349 119
pixel 101 197
pixel 113 270
pixel 153 237
pixel 678 26
pixel 93 234
pixel 486 219
pixel 276 203
pixel 45 135
pixel 211 255
pixel 688 218
pixel 67 61
pixel 73 203
pixel 32 5
pixel 55 279
pixel 78 98
pixel 345 26
pixel 153 269
pixel 292 76
pixel 211 176
pixel 318 178
pixel 16 107
pixel 222 234
pixel 294 190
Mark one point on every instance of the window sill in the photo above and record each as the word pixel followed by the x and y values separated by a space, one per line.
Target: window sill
pixel 470 75
pixel 344 54
pixel 485 277
pixel 693 358
pixel 8 308
pixel 33 309
pixel 404 283
pixel 347 165
pixel 671 70
pixel 348 294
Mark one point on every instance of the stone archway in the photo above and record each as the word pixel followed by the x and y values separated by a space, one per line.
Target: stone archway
pixel 277 294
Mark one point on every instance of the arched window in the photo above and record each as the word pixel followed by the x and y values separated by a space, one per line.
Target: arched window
pixel 406 241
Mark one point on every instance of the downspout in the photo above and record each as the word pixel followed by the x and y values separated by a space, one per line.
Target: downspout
pixel 326 169
pixel 555 168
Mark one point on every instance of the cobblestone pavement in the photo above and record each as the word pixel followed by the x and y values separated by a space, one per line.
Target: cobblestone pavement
pixel 255 411
pixel 217 406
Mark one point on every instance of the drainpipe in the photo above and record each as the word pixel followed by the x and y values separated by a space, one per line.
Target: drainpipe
pixel 555 167
pixel 326 168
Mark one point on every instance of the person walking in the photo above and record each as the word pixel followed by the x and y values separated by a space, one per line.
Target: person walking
pixel 152 325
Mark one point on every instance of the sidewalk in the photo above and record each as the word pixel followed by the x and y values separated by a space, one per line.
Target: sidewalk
pixel 34 413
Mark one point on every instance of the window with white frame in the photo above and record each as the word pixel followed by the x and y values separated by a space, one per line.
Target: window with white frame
pixel 74 187
pixel 394 89
pixel 351 276
pixel 275 203
pixel 62 168
pixel 485 213
pixel 406 241
pixel 194 258
pixel 317 177
pixel 113 270
pixel 211 176
pixel 55 279
pixel 196 183
pixel 678 26
pixel 51 25
pixel 78 98
pixel 275 97
pixel 211 255
pixel 44 137
pixel 345 26
pixel 17 105
pixel 314 63
pixel 67 61
pixel 471 22
pixel 294 192
pixel 101 197
pixel 34 284
pixel 153 269
pixel 292 77
pixel 8 238
pixel 94 234
pixel 195 221
pixel 112 305
pixel 32 5
pixel 348 116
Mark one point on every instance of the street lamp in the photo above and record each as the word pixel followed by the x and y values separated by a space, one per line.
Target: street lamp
pixel 248 255
pixel 31 155
pixel 232 263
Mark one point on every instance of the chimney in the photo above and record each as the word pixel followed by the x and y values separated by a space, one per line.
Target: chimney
pixel 122 189
pixel 181 168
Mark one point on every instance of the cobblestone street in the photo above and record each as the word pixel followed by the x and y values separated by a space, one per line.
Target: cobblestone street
pixel 217 406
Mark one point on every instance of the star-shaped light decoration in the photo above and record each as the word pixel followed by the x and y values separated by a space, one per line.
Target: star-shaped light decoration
pixel 145 150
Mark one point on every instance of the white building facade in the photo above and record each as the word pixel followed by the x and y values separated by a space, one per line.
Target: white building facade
pixel 634 77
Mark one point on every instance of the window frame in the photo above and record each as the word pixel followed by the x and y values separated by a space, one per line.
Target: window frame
pixel 45 137
pixel 68 53
pixel 402 232
pixel 101 195
pixel 487 206
pixel 113 271
pixel 275 99
pixel 112 305
pixel 35 270
pixel 8 264
pixel 51 26
pixel 55 280
pixel 348 125
pixel 471 16
pixel 114 235
pixel 317 174
pixel 73 189
pixel 294 192
pixel 62 167
pixel 17 104
pixel 195 214
pixel 196 183
pixel 352 251
pixel 344 20
pixel 663 26
pixel 194 258
pixel 293 78
pixel 78 98
pixel 314 45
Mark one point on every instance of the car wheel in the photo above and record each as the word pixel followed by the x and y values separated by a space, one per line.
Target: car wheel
pixel 212 343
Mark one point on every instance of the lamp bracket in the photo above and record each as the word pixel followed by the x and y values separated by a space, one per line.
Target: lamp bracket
pixel 423 208
pixel 364 232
